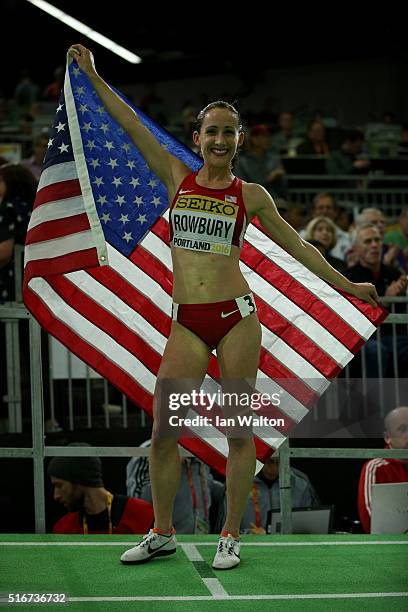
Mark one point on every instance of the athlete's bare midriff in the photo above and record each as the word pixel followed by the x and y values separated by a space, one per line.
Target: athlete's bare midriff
pixel 204 278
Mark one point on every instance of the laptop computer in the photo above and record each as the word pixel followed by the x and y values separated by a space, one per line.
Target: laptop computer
pixel 389 508
pixel 304 520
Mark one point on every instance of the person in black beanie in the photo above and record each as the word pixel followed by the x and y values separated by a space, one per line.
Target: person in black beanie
pixel 78 485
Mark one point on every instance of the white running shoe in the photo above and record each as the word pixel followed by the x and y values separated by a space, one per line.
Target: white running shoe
pixel 227 555
pixel 152 545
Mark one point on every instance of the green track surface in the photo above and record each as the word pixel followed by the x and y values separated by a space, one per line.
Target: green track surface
pixel 307 566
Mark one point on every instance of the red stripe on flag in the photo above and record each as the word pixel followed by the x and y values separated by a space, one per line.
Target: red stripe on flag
pixel 62 264
pixel 83 350
pixel 296 339
pixel 162 230
pixel 106 321
pixel 57 228
pixel 112 280
pixel 277 371
pixel 375 315
pixel 301 296
pixel 57 191
pixel 153 267
pixel 99 362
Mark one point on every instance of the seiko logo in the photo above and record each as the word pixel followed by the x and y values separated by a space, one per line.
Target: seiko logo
pixel 208 205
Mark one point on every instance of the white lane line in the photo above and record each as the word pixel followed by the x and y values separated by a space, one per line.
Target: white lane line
pixel 236 597
pixel 213 584
pixel 132 543
pixel 191 552
pixel 215 587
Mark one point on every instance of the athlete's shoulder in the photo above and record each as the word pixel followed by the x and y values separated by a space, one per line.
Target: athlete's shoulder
pixel 255 197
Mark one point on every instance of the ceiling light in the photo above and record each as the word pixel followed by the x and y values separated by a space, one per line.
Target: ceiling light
pixel 86 30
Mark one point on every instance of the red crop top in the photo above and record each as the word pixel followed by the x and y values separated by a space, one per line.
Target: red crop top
pixel 208 220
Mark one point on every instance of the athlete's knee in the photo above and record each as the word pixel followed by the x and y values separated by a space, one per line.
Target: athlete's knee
pixel 163 445
pixel 241 444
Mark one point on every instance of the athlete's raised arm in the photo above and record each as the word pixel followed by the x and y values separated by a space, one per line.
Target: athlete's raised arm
pixel 304 252
pixel 168 168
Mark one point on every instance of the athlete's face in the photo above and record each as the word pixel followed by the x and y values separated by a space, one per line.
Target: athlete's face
pixel 219 137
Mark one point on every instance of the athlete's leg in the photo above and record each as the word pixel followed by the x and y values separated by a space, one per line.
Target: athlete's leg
pixel 185 357
pixel 238 356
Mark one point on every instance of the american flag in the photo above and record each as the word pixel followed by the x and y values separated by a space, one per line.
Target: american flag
pixel 98 275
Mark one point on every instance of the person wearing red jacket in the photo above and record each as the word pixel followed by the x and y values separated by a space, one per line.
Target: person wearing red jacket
pixel 378 471
pixel 78 485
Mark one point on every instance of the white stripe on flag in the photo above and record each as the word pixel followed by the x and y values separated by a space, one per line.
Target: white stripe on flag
pixel 293 361
pixel 58 173
pixel 93 335
pixel 107 300
pixel 289 405
pixel 311 281
pixel 141 281
pixel 98 237
pixel 60 209
pixel 158 248
pixel 58 246
pixel 296 316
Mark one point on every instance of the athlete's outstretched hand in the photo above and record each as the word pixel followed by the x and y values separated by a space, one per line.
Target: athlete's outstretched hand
pixel 366 292
pixel 84 58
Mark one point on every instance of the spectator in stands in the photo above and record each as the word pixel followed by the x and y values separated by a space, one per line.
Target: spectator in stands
pixel 53 91
pixel 325 205
pixel 26 92
pixel 267 115
pixel 17 192
pixel 403 143
pixel 315 142
pixel 259 164
pixel 388 117
pixel 188 119
pixel 400 236
pixel 35 162
pixel 377 471
pixel 389 282
pixel 321 232
pixel 199 506
pixel 265 496
pixel 344 219
pixel 392 254
pixel 347 160
pixel 78 485
pixel 293 212
pixel 283 139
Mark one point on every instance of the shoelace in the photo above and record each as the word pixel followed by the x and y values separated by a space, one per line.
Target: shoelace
pixel 147 539
pixel 229 545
